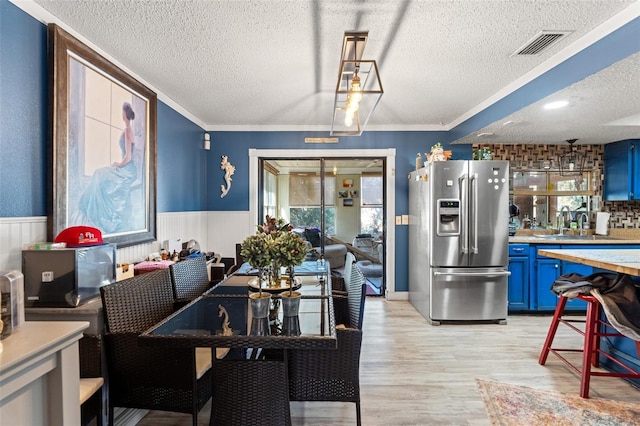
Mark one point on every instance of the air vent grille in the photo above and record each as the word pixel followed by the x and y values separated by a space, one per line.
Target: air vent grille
pixel 540 42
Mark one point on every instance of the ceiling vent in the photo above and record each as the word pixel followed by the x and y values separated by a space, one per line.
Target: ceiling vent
pixel 540 42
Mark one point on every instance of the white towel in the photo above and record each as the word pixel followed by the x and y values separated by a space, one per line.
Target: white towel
pixel 602 223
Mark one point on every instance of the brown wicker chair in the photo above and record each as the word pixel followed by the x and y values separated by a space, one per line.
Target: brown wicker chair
pixel 148 377
pixel 189 279
pixel 238 262
pixel 334 375
pixel 242 390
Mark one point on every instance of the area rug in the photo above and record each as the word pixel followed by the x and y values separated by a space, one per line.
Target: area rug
pixel 519 405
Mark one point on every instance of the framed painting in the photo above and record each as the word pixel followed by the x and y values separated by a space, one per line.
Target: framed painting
pixel 102 156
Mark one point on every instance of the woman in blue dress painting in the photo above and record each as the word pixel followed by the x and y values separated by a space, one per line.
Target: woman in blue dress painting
pixel 106 202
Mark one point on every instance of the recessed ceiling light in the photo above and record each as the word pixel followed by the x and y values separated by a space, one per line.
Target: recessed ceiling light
pixel 556 105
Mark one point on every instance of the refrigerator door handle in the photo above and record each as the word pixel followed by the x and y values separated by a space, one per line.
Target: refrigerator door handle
pixel 476 274
pixel 473 232
pixel 464 200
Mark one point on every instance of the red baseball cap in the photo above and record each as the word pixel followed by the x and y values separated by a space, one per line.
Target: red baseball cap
pixel 80 236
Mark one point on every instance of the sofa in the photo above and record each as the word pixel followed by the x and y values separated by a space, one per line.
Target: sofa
pixel 372 269
pixel 335 254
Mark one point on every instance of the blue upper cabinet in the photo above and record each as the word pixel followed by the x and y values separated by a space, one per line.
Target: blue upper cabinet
pixel 622 170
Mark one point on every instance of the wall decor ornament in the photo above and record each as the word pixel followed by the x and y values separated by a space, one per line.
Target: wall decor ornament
pixel 102 156
pixel 229 170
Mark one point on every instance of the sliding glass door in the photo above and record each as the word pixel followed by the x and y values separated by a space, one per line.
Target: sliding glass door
pixel 332 201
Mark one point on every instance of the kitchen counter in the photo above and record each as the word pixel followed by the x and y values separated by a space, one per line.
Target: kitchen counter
pixel 572 239
pixel 549 236
pixel 622 261
pixel 39 374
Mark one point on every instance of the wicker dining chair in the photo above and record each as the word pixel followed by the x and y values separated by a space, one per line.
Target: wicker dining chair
pixel 242 390
pixel 165 379
pixel 189 279
pixel 334 375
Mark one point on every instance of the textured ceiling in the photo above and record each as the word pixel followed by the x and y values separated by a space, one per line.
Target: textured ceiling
pixel 272 65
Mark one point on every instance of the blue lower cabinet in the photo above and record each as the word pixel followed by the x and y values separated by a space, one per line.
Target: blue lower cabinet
pixel 532 276
pixel 623 349
pixel 519 278
pixel 546 272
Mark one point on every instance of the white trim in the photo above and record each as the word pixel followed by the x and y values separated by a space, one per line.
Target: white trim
pixel 390 203
pixel 324 128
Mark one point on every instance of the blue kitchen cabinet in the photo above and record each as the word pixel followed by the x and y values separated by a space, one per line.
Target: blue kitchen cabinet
pixel 519 278
pixel 621 348
pixel 546 272
pixel 533 274
pixel 549 269
pixel 622 170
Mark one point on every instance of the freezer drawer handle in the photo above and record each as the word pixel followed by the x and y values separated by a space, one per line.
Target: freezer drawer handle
pixel 476 274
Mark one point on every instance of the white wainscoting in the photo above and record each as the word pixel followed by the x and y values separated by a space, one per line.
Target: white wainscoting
pixel 217 231
pixel 16 231
pixel 214 231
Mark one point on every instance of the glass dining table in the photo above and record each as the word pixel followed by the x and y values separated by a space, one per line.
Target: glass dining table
pixel 222 320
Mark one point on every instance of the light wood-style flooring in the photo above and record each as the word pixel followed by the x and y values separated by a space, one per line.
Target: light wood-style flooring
pixel 413 373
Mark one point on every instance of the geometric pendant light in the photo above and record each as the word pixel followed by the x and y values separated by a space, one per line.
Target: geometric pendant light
pixel 572 162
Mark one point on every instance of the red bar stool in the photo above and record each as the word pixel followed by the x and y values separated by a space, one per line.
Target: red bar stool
pixel 594 328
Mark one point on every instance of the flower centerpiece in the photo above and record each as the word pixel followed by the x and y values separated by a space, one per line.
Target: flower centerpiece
pixel 289 250
pixel 257 252
pixel 272 246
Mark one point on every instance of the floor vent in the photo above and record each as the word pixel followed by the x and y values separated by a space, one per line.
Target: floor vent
pixel 540 42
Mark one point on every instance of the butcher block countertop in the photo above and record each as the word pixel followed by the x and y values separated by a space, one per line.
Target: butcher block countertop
pixel 626 261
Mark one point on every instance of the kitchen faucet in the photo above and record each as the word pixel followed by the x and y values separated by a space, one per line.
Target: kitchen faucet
pixel 563 223
pixel 581 221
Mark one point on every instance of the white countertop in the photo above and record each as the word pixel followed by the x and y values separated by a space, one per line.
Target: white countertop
pixel 32 338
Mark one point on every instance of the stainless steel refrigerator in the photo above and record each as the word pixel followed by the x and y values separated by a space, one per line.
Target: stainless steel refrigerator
pixel 458 240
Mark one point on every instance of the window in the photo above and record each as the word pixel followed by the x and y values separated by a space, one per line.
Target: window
pixel 371 205
pixel 304 201
pixel 541 195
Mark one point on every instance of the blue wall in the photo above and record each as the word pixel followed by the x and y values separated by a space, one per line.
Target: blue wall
pixel 235 145
pixel 23 113
pixel 182 163
pixel 189 178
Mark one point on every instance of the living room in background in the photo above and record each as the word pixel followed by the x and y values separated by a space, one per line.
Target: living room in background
pixel 257 157
pixel 305 188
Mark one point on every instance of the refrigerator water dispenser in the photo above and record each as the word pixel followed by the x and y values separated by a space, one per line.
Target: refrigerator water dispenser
pixel 448 217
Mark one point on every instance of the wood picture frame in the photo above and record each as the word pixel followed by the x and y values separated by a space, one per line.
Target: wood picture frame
pixel 102 152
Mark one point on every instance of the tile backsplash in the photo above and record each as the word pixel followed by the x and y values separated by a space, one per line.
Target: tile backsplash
pixel 624 214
